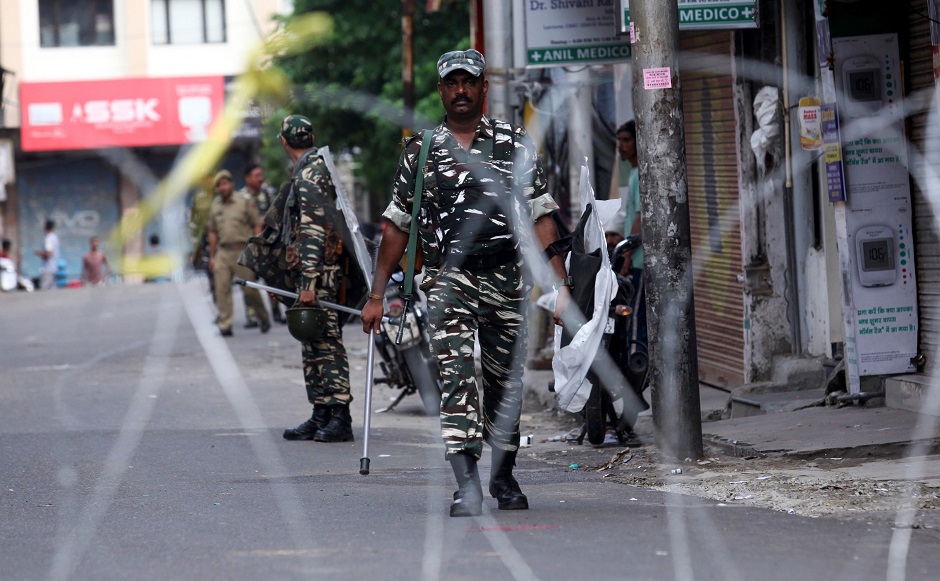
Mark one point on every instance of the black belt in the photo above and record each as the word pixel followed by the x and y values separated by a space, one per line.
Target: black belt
pixel 482 261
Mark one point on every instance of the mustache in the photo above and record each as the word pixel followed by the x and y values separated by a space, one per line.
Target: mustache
pixel 461 99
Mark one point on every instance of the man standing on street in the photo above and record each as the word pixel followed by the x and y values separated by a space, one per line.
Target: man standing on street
pixel 50 257
pixel 262 195
pixel 483 189
pixel 94 265
pixel 302 239
pixel 232 220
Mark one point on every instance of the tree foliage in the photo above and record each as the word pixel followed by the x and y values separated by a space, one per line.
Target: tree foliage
pixel 350 85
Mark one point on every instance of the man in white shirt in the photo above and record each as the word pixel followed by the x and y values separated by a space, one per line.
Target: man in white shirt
pixel 50 257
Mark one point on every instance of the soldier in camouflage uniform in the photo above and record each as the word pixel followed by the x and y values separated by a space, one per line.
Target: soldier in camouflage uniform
pixel 262 195
pixel 300 248
pixel 198 216
pixel 482 178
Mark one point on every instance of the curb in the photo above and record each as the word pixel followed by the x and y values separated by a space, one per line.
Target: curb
pixel 890 451
pixel 731 447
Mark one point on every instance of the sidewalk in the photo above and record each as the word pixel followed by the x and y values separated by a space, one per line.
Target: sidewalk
pixel 865 442
pixel 851 462
pixel 849 432
pixel 845 432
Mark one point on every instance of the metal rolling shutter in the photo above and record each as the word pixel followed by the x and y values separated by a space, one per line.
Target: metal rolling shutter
pixel 712 162
pixel 79 193
pixel 924 147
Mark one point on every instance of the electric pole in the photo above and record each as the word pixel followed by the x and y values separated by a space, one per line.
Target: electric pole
pixel 408 66
pixel 657 101
pixel 497 23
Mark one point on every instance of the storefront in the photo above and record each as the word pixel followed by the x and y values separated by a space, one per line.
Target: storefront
pixel 712 165
pixel 878 76
pixel 90 151
pixel 923 65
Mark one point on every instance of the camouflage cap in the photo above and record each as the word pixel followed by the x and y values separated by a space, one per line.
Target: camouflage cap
pixel 469 60
pixel 223 174
pixel 297 131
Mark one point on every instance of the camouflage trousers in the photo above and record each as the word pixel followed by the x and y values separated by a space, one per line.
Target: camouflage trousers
pixel 326 367
pixel 492 303
pixel 326 372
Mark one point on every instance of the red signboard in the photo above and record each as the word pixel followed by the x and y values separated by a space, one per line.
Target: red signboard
pixel 118 113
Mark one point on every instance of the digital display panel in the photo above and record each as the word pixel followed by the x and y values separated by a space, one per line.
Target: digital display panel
pixel 864 86
pixel 877 255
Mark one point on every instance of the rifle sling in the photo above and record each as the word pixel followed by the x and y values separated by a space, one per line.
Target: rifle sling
pixel 426 138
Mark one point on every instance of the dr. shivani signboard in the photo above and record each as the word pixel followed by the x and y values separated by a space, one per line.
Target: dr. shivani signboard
pixel 707 14
pixel 566 32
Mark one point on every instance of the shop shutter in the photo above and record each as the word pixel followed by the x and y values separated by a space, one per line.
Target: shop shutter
pixel 924 149
pixel 712 162
pixel 81 195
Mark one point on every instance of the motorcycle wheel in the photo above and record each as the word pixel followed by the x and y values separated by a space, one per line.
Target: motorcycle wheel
pixel 594 414
pixel 639 362
pixel 427 384
pixel 638 366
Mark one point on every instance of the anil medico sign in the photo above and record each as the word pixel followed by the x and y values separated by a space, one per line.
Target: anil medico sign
pixel 569 32
pixel 707 14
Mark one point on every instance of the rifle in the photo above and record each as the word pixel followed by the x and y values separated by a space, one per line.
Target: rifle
pixel 408 285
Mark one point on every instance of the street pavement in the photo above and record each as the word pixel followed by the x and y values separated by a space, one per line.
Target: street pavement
pixel 136 443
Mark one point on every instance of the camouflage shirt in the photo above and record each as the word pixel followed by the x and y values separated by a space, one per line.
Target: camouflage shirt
pixel 262 199
pixel 467 193
pixel 314 240
pixel 199 215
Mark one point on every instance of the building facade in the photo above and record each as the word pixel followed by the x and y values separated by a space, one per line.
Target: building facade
pixel 101 97
pixel 810 128
pixel 810 142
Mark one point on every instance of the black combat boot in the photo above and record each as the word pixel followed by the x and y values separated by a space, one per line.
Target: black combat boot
pixel 468 500
pixel 340 427
pixel 503 487
pixel 308 429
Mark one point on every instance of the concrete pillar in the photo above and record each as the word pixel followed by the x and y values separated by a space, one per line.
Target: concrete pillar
pixel 497 20
pixel 580 142
pixel 132 27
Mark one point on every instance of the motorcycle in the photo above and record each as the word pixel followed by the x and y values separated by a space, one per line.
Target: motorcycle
pixel 407 365
pixel 616 397
pixel 620 368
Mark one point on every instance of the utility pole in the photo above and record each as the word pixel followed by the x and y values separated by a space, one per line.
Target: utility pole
pixel 657 101
pixel 408 66
pixel 580 141
pixel 477 28
pixel 497 22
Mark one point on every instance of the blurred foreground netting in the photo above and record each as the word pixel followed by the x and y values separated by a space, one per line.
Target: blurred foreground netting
pixel 264 82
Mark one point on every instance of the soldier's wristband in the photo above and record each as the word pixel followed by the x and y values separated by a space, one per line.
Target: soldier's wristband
pixel 375 297
pixel 567 281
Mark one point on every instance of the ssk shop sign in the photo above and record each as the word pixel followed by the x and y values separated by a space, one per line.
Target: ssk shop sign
pixel 119 113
